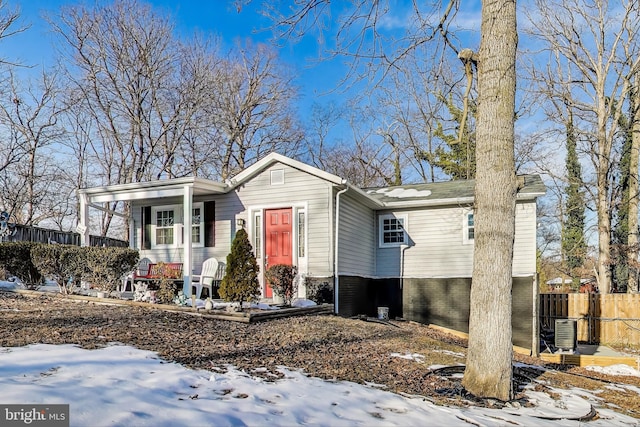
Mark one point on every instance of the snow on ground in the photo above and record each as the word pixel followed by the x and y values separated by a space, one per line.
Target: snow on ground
pixel 620 369
pixel 49 285
pixel 124 386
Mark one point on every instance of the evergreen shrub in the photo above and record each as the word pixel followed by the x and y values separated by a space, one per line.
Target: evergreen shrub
pixel 240 282
pixel 107 266
pixel 15 260
pixel 320 292
pixel 64 264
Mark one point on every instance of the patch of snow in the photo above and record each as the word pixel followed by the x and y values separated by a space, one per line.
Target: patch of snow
pixel 450 353
pixel 619 369
pixel 122 385
pixel 401 193
pixel 415 356
pixel 7 285
pixel 263 306
pixel 302 302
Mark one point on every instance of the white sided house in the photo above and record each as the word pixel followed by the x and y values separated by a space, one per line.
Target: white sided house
pixel 408 248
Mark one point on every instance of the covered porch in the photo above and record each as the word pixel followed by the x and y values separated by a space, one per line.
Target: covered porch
pixel 186 188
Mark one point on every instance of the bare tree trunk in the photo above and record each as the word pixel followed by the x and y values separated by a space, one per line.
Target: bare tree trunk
pixel 632 242
pixel 603 205
pixel 488 372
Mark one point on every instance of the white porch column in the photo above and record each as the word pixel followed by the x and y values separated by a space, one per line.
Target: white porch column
pixel 187 258
pixel 83 220
pixel 132 228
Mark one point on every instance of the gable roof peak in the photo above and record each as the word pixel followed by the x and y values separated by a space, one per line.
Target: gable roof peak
pixel 273 158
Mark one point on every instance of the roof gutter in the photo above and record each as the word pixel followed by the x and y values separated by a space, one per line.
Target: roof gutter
pixel 446 202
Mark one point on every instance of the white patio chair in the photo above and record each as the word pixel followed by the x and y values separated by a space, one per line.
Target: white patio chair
pixel 141 270
pixel 206 277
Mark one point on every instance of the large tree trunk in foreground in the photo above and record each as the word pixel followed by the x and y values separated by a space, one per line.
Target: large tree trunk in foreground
pixel 488 372
pixel 632 240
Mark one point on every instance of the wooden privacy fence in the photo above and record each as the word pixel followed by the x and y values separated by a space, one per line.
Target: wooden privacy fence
pixel 601 318
pixel 25 233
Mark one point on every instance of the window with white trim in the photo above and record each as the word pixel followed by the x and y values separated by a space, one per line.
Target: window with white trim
pixel 392 230
pixel 257 235
pixel 168 226
pixel 468 228
pixel 164 227
pixel 277 177
pixel 301 233
pixel 196 226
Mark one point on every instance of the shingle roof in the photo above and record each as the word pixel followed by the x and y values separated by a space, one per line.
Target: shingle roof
pixel 441 192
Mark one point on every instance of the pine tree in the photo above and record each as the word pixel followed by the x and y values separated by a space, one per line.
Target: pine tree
pixel 456 158
pixel 620 231
pixel 240 282
pixel 574 247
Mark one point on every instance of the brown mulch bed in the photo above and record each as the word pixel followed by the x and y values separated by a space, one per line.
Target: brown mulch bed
pixel 323 346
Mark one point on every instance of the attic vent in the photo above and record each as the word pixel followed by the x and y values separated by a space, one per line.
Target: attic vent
pixel 277 177
pixel 566 331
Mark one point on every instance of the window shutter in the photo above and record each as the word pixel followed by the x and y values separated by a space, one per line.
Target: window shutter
pixel 146 227
pixel 209 224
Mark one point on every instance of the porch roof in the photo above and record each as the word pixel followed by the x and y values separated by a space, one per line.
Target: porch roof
pixel 152 189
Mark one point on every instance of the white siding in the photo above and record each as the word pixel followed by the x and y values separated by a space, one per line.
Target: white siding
pixel 357 244
pixel 175 254
pixel 437 249
pixel 299 188
pixel 524 249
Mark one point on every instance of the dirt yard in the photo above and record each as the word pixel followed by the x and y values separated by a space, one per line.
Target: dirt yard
pixel 324 346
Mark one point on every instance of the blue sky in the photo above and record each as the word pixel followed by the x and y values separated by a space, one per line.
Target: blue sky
pixel 314 78
pixel 219 17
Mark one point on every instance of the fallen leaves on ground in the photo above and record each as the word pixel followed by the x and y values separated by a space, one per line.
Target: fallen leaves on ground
pixel 324 346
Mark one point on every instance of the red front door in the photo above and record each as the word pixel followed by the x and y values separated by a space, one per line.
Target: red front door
pixel 278 240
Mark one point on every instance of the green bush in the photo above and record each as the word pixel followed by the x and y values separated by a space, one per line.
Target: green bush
pixel 281 277
pixel 15 260
pixel 74 262
pixel 319 292
pixel 240 282
pixel 67 265
pixel 63 264
pixel 107 266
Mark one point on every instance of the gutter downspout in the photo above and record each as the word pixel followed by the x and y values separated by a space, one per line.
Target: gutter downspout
pixel 335 251
pixel 402 249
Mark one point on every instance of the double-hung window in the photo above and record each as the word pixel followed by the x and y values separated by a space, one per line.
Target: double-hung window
pixel 196 226
pixel 164 225
pixel 168 226
pixel 392 230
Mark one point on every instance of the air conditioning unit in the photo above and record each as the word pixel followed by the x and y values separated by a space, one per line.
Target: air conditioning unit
pixel 566 334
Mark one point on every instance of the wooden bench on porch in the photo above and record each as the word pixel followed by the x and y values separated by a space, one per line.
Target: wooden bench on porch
pixel 171 271
pixel 162 270
pixel 153 273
